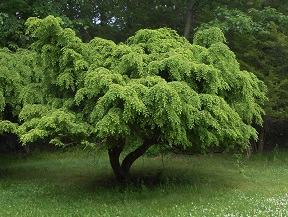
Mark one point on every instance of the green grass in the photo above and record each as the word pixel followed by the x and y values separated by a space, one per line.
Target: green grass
pixel 82 184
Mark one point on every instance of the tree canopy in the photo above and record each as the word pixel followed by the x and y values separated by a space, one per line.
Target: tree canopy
pixel 155 89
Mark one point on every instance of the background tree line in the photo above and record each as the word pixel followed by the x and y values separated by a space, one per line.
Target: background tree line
pixel 255 31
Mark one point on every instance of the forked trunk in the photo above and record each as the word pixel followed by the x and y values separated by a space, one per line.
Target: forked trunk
pixel 122 171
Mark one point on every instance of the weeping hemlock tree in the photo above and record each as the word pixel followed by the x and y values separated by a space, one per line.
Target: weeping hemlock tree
pixel 156 89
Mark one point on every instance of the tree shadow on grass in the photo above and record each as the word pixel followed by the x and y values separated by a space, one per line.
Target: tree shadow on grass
pixel 165 178
pixel 100 184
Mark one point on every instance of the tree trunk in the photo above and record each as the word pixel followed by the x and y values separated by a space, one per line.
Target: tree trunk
pixel 114 153
pixel 189 18
pixel 84 34
pixel 122 172
pixel 134 155
pixel 261 140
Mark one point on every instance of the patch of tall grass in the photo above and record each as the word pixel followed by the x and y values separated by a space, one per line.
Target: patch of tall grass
pixel 79 183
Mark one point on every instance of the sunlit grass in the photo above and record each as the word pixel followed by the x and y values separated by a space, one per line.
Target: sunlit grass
pixel 82 184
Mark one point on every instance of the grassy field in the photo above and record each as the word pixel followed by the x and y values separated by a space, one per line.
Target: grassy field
pixel 82 184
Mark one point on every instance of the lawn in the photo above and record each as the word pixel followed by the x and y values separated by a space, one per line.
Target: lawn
pixel 77 183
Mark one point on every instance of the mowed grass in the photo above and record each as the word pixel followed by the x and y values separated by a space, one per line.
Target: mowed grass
pixel 82 184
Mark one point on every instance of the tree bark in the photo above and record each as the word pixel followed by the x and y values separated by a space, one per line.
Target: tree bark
pixel 84 34
pixel 122 171
pixel 114 152
pixel 189 18
pixel 134 155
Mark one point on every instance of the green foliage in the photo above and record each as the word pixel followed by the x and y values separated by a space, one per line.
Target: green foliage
pixel 157 88
pixel 208 37
pixel 48 113
pixel 10 79
pixel 168 90
pixel 259 39
pixel 58 125
pixel 15 13
pixel 116 20
pixel 248 21
pixel 61 53
pixel 11 31
pixel 17 71
pixel 157 85
pixel 7 127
